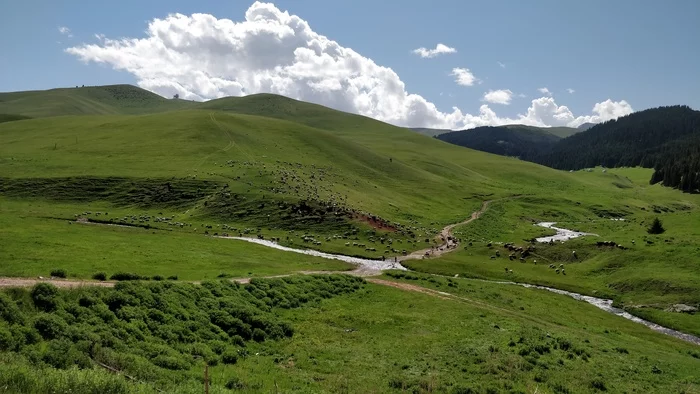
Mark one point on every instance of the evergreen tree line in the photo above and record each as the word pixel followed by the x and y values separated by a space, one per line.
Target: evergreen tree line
pixel 666 139
pixel 522 142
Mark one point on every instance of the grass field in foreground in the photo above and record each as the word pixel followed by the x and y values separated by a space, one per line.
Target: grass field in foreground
pixel 494 339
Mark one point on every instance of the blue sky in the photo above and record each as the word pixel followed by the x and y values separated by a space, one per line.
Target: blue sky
pixel 641 51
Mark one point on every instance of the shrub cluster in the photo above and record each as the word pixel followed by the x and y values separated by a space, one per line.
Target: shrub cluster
pixel 148 329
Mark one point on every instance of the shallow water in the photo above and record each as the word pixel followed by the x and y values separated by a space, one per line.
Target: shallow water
pixel 378 265
pixel 561 235
pixel 375 265
pixel 606 305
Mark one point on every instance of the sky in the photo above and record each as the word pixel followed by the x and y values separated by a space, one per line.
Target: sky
pixel 445 64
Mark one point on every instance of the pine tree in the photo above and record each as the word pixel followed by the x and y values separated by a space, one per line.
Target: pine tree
pixel 656 227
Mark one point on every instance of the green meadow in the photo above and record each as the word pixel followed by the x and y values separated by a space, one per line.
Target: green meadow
pixel 159 181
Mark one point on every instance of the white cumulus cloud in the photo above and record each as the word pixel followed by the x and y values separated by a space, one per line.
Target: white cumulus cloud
pixel 463 76
pixel 571 91
pixel 502 96
pixel 545 91
pixel 202 57
pixel 545 111
pixel 501 64
pixel 440 49
pixel 65 31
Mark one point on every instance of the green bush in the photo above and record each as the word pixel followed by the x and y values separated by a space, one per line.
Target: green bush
pixel 63 354
pixel 24 335
pixel 235 384
pixel 259 335
pixel 50 326
pixel 229 357
pixel 100 276
pixel 59 273
pixel 125 276
pixel 154 330
pixel 7 340
pixel 44 296
pixel 9 310
pixel 598 384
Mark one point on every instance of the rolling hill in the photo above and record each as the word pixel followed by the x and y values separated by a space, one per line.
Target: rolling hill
pixel 89 100
pixel 89 190
pixel 586 126
pixel 430 132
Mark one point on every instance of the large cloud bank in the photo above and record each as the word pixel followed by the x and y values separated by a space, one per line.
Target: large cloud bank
pixel 201 57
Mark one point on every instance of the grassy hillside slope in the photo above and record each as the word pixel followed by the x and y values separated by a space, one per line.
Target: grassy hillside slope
pixel 319 178
pixel 316 177
pixel 429 132
pixel 11 117
pixel 90 100
pixel 405 174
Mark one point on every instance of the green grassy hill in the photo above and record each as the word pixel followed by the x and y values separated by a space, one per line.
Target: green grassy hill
pixel 89 100
pixel 319 178
pixel 430 132
pixel 12 117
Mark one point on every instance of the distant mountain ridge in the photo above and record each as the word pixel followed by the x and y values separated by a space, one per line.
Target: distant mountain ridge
pixel 518 141
pixel 430 132
pixel 561 132
pixel 665 138
pixel 524 142
pixel 586 126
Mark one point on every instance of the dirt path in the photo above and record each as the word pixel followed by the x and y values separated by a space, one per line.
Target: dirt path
pixel 65 283
pixel 448 243
pixel 410 287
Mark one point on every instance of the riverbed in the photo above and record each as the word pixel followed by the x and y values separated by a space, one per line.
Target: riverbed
pixel 561 235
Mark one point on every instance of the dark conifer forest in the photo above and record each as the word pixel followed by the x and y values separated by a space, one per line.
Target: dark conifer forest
pixel 518 141
pixel 665 138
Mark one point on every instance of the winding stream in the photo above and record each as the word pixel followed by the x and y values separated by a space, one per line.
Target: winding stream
pixel 606 305
pixel 370 267
pixel 362 264
pixel 561 235
pixel 367 267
